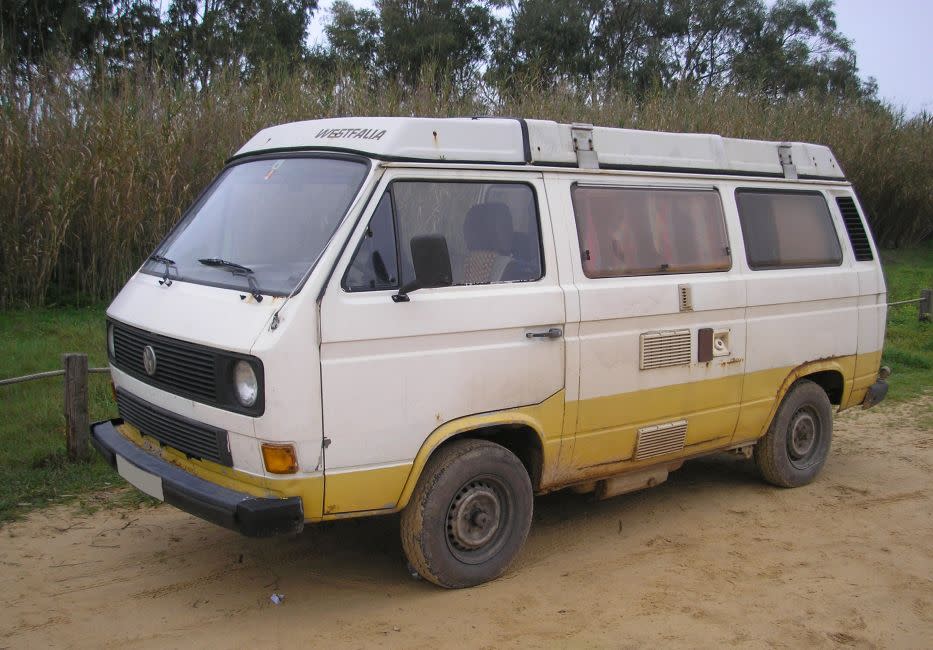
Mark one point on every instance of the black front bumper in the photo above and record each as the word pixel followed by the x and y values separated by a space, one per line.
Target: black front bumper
pixel 252 516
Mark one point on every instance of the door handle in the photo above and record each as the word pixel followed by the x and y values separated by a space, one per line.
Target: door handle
pixel 553 333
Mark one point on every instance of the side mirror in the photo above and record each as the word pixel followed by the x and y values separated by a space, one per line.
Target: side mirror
pixel 431 259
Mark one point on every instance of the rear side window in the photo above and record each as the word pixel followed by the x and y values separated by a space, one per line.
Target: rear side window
pixel 645 231
pixel 787 229
pixel 491 229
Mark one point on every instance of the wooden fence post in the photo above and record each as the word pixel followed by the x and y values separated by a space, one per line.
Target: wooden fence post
pixel 77 424
pixel 926 304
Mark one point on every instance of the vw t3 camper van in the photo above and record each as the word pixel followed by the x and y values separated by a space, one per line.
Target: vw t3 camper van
pixel 446 317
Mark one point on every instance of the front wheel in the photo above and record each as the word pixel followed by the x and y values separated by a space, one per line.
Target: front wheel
pixel 469 515
pixel 797 444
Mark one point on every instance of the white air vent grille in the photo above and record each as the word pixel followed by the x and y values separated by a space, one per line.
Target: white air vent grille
pixel 660 439
pixel 665 349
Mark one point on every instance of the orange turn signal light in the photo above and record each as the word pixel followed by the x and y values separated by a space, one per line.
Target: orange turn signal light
pixel 279 459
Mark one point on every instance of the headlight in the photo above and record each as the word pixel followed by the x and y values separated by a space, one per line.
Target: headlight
pixel 110 348
pixel 247 386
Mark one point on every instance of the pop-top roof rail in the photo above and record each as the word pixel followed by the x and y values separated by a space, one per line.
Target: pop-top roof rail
pixel 515 141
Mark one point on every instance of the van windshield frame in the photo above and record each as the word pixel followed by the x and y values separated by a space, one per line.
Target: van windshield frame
pixel 156 265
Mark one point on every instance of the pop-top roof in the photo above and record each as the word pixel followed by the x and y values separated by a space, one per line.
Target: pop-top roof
pixel 542 142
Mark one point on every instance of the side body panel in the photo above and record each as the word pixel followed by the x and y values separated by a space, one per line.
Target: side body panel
pixel 797 318
pixel 393 373
pixel 872 310
pixel 615 397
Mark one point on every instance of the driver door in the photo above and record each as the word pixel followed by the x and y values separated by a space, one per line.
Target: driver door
pixel 393 372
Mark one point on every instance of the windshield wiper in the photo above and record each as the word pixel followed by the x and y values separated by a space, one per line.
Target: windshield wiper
pixel 166 280
pixel 238 270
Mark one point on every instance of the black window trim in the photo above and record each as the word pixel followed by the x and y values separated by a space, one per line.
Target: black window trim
pixel 448 181
pixel 615 186
pixel 343 280
pixel 786 267
pixel 863 224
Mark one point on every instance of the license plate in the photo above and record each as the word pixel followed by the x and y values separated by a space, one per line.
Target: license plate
pixel 143 480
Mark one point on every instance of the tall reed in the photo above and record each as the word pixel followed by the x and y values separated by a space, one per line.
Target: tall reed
pixel 92 176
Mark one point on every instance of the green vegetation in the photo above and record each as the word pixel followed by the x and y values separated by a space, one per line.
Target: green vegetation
pixel 34 470
pixel 908 347
pixel 91 181
pixel 114 115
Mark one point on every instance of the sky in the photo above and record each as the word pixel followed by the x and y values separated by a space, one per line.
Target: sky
pixel 892 39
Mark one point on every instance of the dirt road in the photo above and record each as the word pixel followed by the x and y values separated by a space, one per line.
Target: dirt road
pixel 711 558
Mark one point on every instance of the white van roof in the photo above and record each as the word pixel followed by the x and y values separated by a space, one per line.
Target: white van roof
pixel 543 142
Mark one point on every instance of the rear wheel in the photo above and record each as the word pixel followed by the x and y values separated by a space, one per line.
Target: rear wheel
pixel 797 444
pixel 469 515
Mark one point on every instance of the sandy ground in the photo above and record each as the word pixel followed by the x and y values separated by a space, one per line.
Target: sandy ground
pixel 713 557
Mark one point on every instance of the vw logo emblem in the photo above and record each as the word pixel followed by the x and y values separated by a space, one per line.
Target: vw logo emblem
pixel 149 360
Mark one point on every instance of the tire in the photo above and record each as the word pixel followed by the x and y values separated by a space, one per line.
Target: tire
pixel 469 515
pixel 797 443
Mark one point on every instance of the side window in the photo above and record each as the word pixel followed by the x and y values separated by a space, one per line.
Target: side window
pixel 641 231
pixel 375 264
pixel 787 229
pixel 492 229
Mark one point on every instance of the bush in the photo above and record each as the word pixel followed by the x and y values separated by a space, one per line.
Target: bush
pixel 92 175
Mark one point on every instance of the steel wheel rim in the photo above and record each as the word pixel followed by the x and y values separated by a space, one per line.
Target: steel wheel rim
pixel 804 434
pixel 477 519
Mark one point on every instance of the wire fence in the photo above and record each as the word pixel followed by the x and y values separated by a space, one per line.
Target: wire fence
pixel 43 375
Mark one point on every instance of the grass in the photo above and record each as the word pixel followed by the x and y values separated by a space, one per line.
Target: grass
pixel 34 471
pixel 908 347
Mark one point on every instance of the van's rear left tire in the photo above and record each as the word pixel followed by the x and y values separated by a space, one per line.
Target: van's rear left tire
pixel 469 515
pixel 797 443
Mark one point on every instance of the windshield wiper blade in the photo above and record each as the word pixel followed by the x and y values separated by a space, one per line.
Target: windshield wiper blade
pixel 238 270
pixel 227 264
pixel 166 280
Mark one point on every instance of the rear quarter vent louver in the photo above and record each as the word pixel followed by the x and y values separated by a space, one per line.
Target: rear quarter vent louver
pixel 857 235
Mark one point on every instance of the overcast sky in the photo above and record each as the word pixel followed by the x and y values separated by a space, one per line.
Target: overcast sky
pixel 893 44
pixel 892 38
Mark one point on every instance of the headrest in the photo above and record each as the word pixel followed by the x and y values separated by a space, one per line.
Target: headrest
pixel 488 227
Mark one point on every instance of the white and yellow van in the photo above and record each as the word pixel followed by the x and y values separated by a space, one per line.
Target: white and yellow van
pixel 444 317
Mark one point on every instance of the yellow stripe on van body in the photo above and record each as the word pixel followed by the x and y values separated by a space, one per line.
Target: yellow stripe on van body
pixel 866 374
pixel 709 427
pixel 309 488
pixel 546 419
pixel 611 423
pixel 386 490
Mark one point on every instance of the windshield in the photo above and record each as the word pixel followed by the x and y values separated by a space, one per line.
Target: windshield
pixel 261 225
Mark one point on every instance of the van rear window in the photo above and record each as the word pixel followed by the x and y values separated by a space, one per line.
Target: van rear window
pixel 787 229
pixel 645 231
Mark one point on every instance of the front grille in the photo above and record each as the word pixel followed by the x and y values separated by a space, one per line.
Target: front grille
pixel 181 367
pixel 187 436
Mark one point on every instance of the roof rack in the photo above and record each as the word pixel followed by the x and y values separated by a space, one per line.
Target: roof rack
pixel 515 141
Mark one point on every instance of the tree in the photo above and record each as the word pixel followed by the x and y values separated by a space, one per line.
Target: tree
pixel 354 35
pixel 31 30
pixel 548 40
pixel 452 35
pixel 794 47
pixel 200 38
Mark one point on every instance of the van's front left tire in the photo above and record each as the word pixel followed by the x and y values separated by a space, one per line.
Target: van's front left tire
pixel 469 514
